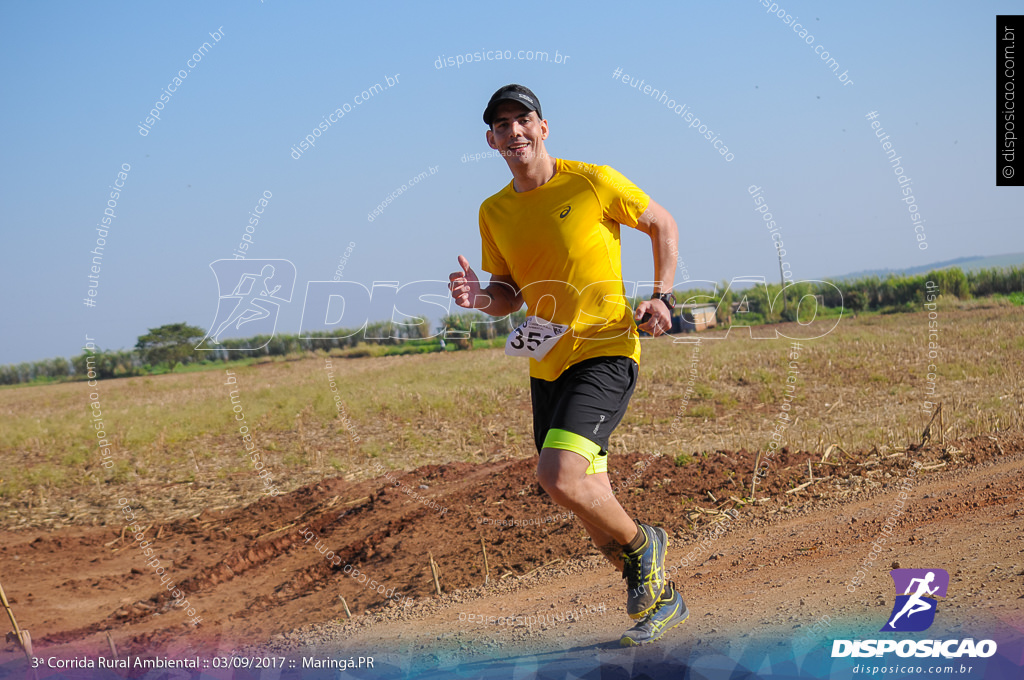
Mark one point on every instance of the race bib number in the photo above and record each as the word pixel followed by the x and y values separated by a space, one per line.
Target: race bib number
pixel 534 338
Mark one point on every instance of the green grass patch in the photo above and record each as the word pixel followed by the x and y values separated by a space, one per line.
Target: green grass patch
pixel 701 411
pixel 703 392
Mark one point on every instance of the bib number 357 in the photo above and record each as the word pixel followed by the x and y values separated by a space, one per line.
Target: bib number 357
pixel 534 338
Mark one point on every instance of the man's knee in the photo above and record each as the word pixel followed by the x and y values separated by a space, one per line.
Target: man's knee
pixel 551 480
pixel 556 481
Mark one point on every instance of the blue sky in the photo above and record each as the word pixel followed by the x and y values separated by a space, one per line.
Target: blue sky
pixel 80 78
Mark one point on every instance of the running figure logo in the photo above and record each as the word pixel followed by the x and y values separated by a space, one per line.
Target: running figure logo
pixel 257 290
pixel 915 608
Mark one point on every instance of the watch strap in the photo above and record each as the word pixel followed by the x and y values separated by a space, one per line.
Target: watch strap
pixel 668 298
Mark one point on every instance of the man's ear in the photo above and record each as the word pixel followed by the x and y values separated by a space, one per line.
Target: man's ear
pixel 544 129
pixel 490 139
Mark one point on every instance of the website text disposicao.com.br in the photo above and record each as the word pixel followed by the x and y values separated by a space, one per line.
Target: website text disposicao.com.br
pixel 310 140
pixel 458 60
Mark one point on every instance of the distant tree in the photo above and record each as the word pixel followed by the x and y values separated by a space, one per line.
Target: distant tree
pixel 26 371
pixel 104 364
pixel 723 307
pixel 952 282
pixel 423 328
pixel 171 343
pixel 855 300
pixel 60 367
pixel 459 324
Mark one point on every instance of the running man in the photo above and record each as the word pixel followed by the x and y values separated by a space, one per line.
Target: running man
pixel 551 240
pixel 915 603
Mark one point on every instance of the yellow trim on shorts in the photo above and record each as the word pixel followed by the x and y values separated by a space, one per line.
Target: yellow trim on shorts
pixel 570 441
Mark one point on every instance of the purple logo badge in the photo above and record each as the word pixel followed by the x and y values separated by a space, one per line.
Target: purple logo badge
pixel 916 590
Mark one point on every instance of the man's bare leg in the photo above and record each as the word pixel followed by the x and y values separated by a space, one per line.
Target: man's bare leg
pixel 608 546
pixel 563 474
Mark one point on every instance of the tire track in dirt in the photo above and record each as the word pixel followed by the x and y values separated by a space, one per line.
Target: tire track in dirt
pixel 238 564
pixel 760 580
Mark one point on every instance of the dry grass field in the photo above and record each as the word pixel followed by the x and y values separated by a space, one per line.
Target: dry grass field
pixel 459 426
pixel 175 438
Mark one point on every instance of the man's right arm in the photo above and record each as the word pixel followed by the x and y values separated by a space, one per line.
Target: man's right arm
pixel 503 296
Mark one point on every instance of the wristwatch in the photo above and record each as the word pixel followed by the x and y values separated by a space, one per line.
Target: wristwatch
pixel 668 298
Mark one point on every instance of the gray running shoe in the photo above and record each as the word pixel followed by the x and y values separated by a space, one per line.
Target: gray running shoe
pixel 644 572
pixel 669 613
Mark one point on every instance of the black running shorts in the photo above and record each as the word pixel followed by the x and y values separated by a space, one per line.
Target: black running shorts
pixel 578 411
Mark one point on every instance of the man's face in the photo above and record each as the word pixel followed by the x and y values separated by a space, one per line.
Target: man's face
pixel 517 133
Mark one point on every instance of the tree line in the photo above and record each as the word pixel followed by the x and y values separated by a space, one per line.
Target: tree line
pixel 165 348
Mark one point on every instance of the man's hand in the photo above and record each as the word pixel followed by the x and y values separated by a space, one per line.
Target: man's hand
pixel 660 321
pixel 465 285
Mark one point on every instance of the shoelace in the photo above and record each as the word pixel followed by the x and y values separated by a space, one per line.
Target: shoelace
pixel 631 570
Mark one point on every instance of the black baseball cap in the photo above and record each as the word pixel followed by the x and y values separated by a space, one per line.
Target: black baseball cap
pixel 512 93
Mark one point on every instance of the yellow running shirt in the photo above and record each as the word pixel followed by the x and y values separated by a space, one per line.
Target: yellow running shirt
pixel 560 244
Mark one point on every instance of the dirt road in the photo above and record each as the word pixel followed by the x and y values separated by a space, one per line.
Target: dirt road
pixel 779 575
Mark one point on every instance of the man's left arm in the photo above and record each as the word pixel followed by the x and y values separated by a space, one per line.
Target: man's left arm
pixel 658 223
